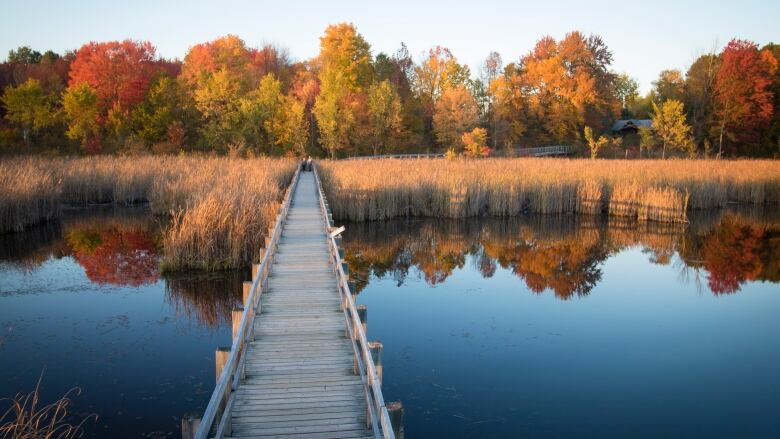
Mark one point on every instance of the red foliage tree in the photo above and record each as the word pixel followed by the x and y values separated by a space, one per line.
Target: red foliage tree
pixel 116 257
pixel 119 71
pixel 742 91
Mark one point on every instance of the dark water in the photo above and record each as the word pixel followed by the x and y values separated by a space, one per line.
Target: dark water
pixel 82 304
pixel 560 327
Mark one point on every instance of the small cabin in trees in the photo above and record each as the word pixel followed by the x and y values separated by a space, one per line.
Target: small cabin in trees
pixel 630 126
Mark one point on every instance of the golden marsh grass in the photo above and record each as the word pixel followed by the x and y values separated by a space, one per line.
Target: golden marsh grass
pixel 646 190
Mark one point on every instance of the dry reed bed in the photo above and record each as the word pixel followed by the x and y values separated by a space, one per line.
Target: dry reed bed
pixel 646 190
pixel 220 208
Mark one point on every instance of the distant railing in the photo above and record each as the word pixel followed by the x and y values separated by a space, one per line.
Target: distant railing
pixel 398 156
pixel 378 416
pixel 544 151
pixel 217 416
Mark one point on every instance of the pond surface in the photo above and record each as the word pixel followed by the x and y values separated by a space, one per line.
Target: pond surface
pixel 82 304
pixel 558 327
pixel 541 326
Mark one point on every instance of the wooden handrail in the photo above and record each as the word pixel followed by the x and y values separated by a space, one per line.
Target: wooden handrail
pixel 222 399
pixel 377 411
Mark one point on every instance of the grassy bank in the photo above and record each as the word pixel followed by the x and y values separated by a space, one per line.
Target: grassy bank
pixel 646 190
pixel 219 208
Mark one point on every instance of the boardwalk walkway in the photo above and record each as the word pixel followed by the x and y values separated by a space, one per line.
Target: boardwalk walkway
pixel 300 377
pixel 300 365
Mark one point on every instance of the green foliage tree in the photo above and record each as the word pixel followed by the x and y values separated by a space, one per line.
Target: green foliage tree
pixel 671 127
pixel 167 103
pixel 81 107
pixel 218 100
pixel 30 107
pixel 647 140
pixel 24 55
pixel 669 85
pixel 627 92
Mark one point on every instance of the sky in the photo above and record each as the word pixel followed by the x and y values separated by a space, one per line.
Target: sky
pixel 645 37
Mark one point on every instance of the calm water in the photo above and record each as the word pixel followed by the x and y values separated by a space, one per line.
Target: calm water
pixel 534 327
pixel 556 327
pixel 82 304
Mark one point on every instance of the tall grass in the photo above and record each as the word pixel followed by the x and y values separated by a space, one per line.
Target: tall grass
pixel 26 418
pixel 646 190
pixel 219 208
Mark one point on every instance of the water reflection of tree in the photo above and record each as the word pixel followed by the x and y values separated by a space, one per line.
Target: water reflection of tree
pixel 120 250
pixel 564 253
pixel 207 297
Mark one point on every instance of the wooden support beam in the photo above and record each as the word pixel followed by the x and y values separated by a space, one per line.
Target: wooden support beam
pixel 237 313
pixel 255 270
pixel 375 347
pixel 247 289
pixel 396 411
pixel 189 425
pixel 220 358
pixel 362 311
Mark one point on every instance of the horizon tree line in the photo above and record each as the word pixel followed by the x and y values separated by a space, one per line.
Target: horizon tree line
pixel 225 97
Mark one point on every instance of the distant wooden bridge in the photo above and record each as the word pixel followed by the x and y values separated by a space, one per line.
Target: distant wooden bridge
pixel 300 364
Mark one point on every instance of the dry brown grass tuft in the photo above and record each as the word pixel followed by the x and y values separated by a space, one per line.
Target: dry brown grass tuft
pixel 25 418
pixel 647 190
pixel 30 194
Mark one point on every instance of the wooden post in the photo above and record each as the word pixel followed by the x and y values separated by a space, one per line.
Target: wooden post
pixel 189 426
pixel 255 270
pixel 396 411
pixel 268 242
pixel 236 314
pixel 362 311
pixel 247 289
pixel 375 347
pixel 220 358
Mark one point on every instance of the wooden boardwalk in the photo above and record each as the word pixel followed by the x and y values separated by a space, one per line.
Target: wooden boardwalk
pixel 300 365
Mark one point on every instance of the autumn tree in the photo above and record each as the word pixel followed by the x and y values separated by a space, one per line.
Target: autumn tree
pixel 626 92
pixel 166 109
pixel 475 143
pixel 594 144
pixel 699 90
pixel 559 87
pixel 217 98
pixel 82 110
pixel 30 107
pixel 743 96
pixel 456 113
pixel 669 85
pixel 491 69
pixel 119 73
pixel 345 75
pixel 671 127
pixel 384 106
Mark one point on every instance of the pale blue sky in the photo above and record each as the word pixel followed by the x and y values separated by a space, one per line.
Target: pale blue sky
pixel 645 36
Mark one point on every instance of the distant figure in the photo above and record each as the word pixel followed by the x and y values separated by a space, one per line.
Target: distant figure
pixel 307 163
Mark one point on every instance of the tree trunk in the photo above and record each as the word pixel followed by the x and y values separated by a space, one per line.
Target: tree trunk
pixel 663 153
pixel 720 140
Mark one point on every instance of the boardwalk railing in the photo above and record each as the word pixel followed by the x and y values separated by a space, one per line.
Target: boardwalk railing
pixel 378 416
pixel 398 156
pixel 218 411
pixel 544 151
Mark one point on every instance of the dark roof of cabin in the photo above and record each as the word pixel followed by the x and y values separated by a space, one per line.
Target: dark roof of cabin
pixel 622 124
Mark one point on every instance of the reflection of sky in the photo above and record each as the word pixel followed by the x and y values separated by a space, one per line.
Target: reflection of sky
pixel 645 354
pixel 140 363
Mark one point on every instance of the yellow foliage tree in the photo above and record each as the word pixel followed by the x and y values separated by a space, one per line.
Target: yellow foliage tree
pixel 456 112
pixel 475 143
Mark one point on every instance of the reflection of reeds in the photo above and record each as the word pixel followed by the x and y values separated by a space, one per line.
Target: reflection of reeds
pixel 25 418
pixel 209 298
pixel 647 190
